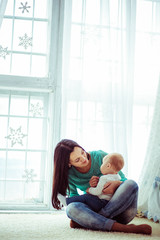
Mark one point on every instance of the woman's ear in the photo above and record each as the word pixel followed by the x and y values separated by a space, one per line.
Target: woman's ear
pixel 69 165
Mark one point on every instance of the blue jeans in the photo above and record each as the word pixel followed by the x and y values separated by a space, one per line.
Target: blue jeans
pixel 121 208
pixel 92 201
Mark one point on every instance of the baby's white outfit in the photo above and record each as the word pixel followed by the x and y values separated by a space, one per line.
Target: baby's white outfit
pixel 102 181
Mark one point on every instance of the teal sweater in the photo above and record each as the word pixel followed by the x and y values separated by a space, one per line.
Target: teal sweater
pixel 80 181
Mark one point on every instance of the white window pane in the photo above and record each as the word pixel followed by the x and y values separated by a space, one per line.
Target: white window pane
pixel 41 8
pixel 6 36
pixel 4 101
pixel 3 131
pixel 21 103
pixel 9 7
pixel 21 64
pixel 34 162
pixel 2 164
pixel 2 190
pixel 32 190
pixel 15 165
pixel 39 37
pixel 14 191
pixel 5 64
pixel 35 133
pixel 38 66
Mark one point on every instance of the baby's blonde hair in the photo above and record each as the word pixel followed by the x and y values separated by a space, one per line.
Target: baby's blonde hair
pixel 115 159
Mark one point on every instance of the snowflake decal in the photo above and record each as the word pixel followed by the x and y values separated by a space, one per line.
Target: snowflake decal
pixel 24 7
pixel 29 175
pixel 16 136
pixel 25 41
pixel 3 52
pixel 36 109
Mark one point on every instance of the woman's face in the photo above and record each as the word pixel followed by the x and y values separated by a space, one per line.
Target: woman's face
pixel 78 158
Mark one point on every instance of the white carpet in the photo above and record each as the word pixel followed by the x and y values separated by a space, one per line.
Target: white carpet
pixel 55 226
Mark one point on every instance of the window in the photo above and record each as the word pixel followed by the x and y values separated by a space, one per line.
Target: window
pixel 23 146
pixel 23 47
pixel 25 105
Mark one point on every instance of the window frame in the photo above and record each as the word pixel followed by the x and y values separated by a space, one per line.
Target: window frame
pixel 51 84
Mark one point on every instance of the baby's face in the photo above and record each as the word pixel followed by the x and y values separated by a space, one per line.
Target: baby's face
pixel 105 167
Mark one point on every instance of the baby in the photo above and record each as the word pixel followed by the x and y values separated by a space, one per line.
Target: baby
pixel 95 199
pixel 112 164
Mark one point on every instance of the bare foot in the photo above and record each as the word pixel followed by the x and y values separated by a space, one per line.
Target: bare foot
pixel 73 224
pixel 117 227
pixel 142 228
pixel 132 228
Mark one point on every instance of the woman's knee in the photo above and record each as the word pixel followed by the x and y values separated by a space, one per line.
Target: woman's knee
pixel 72 209
pixel 131 184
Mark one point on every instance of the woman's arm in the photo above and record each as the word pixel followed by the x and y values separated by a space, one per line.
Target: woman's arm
pixel 111 187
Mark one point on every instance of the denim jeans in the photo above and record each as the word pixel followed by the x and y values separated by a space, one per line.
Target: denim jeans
pixel 92 201
pixel 121 208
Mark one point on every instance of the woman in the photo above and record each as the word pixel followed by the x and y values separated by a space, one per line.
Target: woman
pixel 74 169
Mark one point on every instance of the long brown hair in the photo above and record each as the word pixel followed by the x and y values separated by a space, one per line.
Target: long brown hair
pixel 60 174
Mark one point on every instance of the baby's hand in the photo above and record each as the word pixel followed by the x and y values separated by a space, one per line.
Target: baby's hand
pixel 93 181
pixel 87 191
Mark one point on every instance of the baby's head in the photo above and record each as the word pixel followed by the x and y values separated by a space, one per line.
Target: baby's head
pixel 112 163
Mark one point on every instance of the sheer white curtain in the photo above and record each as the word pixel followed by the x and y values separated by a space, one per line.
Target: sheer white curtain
pixel 146 76
pixel 98 73
pixel 3 4
pixel 151 166
pixel 110 72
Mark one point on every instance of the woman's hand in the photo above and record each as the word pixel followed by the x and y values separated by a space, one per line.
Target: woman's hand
pixel 93 181
pixel 110 187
